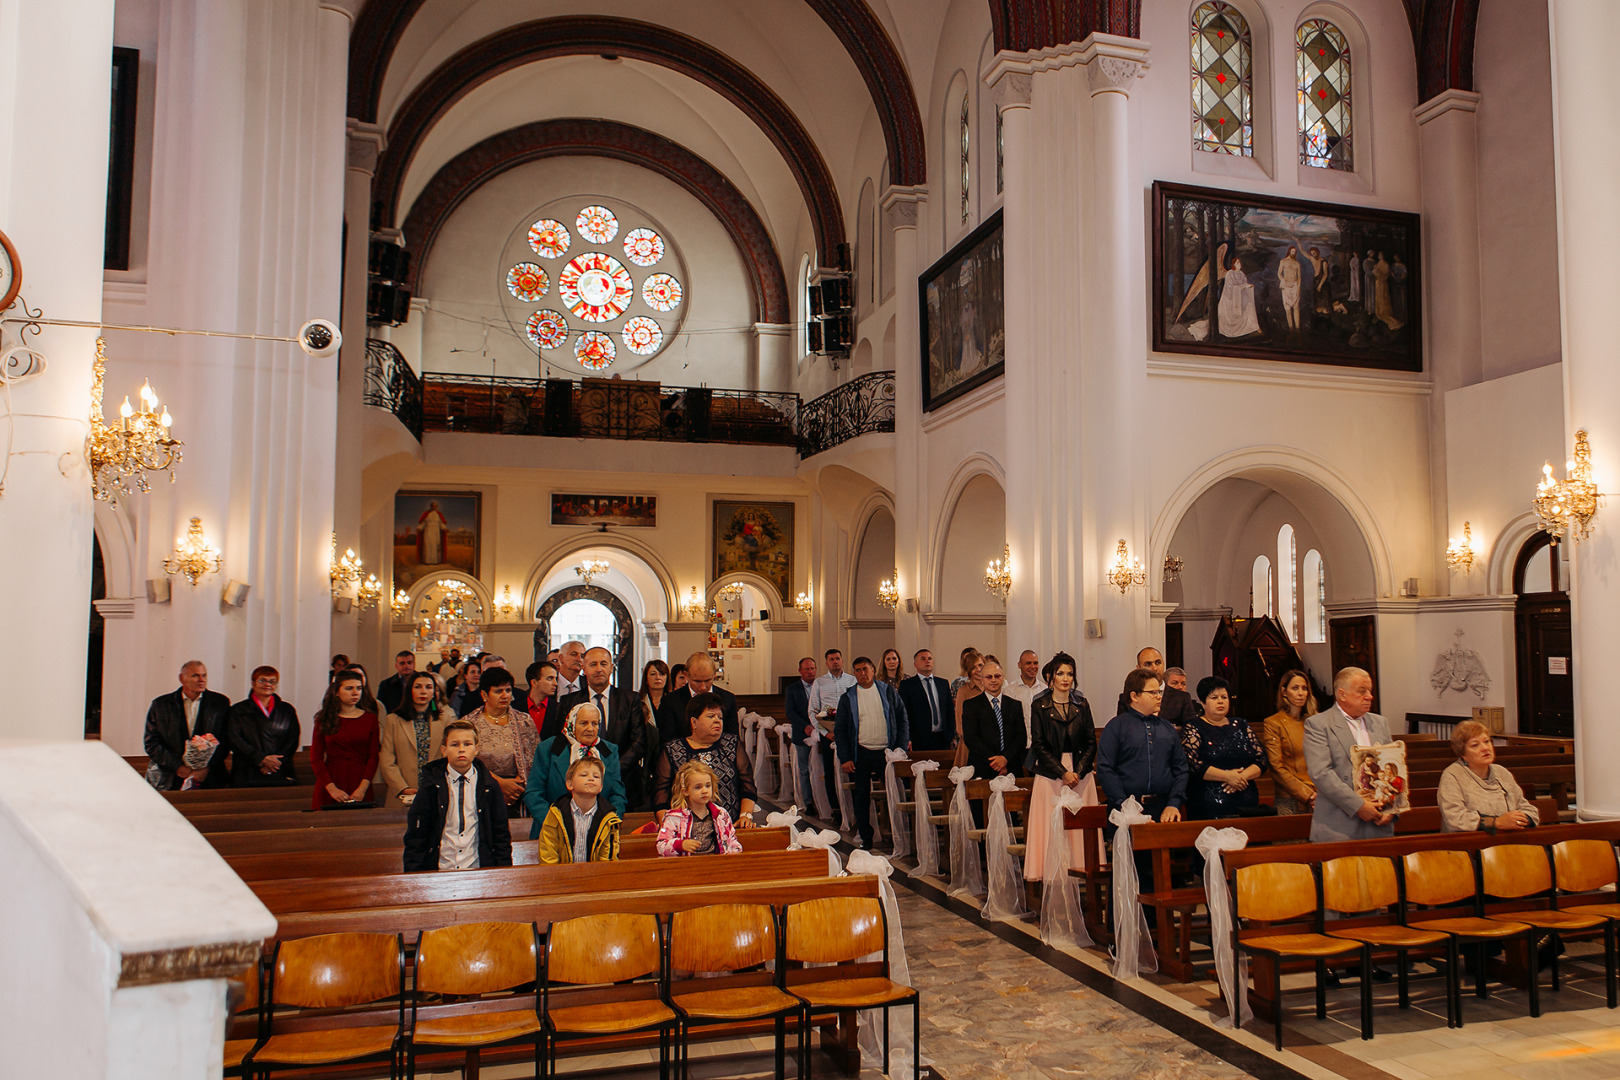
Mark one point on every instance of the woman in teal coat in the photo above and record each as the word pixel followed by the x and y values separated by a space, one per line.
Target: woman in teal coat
pixel 551 761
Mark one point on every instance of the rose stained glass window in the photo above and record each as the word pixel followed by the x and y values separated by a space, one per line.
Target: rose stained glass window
pixel 594 350
pixel 661 292
pixel 642 335
pixel 597 224
pixel 1324 96
pixel 528 281
pixel 547 329
pixel 549 238
pixel 596 287
pixel 1221 87
pixel 643 247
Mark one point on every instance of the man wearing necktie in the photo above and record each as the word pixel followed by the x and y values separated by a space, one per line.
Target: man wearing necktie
pixel 927 699
pixel 457 821
pixel 623 723
pixel 993 727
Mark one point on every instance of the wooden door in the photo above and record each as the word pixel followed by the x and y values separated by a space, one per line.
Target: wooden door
pixel 1353 642
pixel 1542 639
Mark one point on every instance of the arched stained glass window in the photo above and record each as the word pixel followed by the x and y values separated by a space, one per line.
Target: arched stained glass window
pixel 1260 586
pixel 1315 576
pixel 1222 99
pixel 1001 155
pixel 967 157
pixel 1324 96
pixel 1286 581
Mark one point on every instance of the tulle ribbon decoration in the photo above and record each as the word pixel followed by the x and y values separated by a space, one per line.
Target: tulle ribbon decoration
pixel 1233 973
pixel 818 775
pixel 1063 922
pixel 1004 872
pixel 927 834
pixel 784 761
pixel 893 793
pixel 869 1022
pixel 789 788
pixel 788 819
pixel 764 775
pixel 827 839
pixel 966 878
pixel 846 800
pixel 1133 942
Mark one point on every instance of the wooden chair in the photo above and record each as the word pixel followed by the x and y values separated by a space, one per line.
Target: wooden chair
pixel 247 983
pixel 325 975
pixel 1524 872
pixel 600 965
pixel 1442 879
pixel 1588 866
pixel 740 940
pixel 471 961
pixel 1365 883
pixel 1287 893
pixel 838 931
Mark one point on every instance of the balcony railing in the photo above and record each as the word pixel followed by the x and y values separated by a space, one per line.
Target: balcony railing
pixel 862 405
pixel 619 409
pixel 392 385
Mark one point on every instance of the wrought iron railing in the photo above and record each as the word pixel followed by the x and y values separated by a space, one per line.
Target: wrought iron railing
pixel 862 405
pixel 392 385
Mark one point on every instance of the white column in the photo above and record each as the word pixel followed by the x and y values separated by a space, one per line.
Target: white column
pixel 53 197
pixel 1448 145
pixel 1586 162
pixel 900 206
pixel 773 357
pixel 1115 425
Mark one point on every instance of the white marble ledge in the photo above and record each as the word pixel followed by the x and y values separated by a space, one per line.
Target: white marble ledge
pixel 146 878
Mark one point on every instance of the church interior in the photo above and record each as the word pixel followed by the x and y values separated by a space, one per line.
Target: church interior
pixel 1248 338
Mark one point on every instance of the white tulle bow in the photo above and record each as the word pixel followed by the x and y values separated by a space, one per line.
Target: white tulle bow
pixel 894 795
pixel 826 839
pixel 927 836
pixel 1003 871
pixel 1233 977
pixel 966 877
pixel 1062 920
pixel 1133 943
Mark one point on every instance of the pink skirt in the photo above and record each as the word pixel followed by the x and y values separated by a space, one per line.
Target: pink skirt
pixel 1045 793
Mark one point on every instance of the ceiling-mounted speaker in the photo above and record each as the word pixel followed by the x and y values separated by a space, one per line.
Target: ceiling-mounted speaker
pixel 844 263
pixel 816 310
pixel 815 336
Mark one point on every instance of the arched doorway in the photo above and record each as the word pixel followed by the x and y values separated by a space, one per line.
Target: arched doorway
pixel 591 614
pixel 1543 639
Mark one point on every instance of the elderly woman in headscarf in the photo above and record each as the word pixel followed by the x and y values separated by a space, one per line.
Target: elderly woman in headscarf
pixel 581 738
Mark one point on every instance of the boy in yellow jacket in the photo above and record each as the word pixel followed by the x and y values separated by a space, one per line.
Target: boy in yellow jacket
pixel 580 827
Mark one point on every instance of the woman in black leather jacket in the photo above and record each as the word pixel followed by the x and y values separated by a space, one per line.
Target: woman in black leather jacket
pixel 1064 738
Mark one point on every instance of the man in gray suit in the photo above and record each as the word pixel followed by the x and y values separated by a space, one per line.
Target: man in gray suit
pixel 1340 813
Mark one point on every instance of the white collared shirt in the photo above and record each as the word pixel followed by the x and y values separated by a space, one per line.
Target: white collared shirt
pixel 601 706
pixel 872 731
pixel 828 690
pixel 582 830
pixel 458 848
pixel 190 705
pixel 564 687
pixel 1026 694
pixel 1359 734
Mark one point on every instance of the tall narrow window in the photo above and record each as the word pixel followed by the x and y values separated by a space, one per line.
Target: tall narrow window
pixel 1223 121
pixel 1315 578
pixel 967 156
pixel 1287 592
pixel 1260 587
pixel 1001 154
pixel 1324 96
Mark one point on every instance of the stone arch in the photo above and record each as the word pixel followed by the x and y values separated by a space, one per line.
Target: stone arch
pixel 1286 471
pixel 486 598
pixel 662 602
pixel 624 638
pixel 970 469
pixel 763 585
pixel 116 535
pixel 1505 550
pixel 856 586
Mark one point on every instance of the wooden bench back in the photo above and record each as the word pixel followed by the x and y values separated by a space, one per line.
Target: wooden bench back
pixel 1390 847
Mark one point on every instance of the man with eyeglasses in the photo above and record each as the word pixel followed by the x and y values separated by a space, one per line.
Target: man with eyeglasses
pixel 262 732
pixel 700 673
pixel 1139 753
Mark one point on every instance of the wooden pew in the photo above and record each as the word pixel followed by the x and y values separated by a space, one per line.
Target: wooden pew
pixel 368 832
pixel 297 819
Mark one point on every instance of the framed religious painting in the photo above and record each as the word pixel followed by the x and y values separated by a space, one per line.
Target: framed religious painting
pixel 756 537
pixel 964 335
pixel 435 531
pixel 1251 276
pixel 630 511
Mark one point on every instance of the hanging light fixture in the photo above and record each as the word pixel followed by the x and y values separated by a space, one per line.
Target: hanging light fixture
pixel 120 457
pixel 193 555
pixel 345 570
pixel 731 591
pixel 369 593
pixel 805 604
pixel 592 568
pixel 1126 573
pixel 1568 506
pixel 453 605
pixel 998 575
pixel 888 592
pixel 506 605
pixel 1172 568
pixel 693 609
pixel 1460 556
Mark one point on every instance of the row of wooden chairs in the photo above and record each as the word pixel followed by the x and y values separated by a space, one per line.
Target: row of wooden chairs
pixel 1427 901
pixel 594 976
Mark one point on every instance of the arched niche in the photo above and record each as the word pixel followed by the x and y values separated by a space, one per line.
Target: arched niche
pixel 423 585
pixel 625 627
pixel 761 585
pixel 975 533
pixel 641 568
pixel 872 562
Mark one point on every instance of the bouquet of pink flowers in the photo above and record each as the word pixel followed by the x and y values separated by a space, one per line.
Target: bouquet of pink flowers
pixel 198 753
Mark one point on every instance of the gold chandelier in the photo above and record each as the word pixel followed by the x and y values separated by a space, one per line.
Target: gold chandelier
pixel 1568 506
pixel 402 603
pixel 591 568
pixel 453 605
pixel 888 592
pixel 1172 568
pixel 345 570
pixel 731 591
pixel 120 457
pixel 369 593
pixel 194 556
pixel 694 609
pixel 998 575
pixel 805 603
pixel 1126 573
pixel 1460 556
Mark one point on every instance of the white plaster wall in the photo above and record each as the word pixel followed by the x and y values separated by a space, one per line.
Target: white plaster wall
pixel 1518 254
pixel 466 268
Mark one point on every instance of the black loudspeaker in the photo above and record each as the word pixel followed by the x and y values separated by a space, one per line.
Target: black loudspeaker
pixel 815 336
pixel 698 400
pixel 559 407
pixel 816 310
pixel 844 263
pixel 388 261
pixel 840 333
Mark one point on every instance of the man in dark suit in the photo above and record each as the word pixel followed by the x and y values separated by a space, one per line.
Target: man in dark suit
pixel 993 727
pixel 927 699
pixel 391 691
pixel 672 722
pixel 1178 707
pixel 871 719
pixel 623 723
pixel 796 702
pixel 173 718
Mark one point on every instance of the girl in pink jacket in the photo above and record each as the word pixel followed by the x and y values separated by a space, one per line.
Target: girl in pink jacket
pixel 695 824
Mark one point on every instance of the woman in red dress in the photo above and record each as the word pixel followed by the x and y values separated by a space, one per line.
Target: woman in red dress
pixel 346 746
